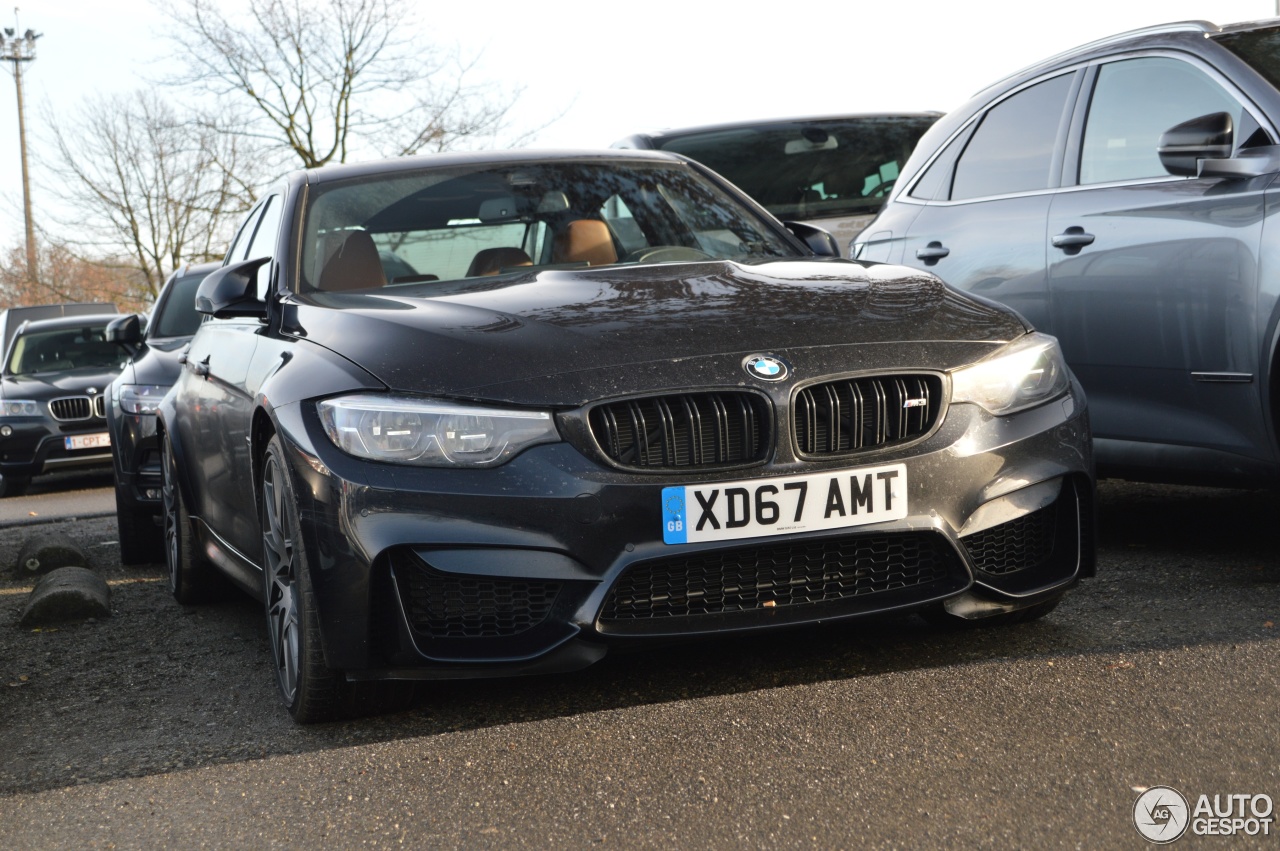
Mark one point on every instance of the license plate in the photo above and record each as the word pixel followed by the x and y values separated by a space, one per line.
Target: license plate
pixel 87 441
pixel 758 508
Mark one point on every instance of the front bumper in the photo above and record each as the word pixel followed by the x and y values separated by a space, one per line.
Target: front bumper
pixel 37 445
pixel 540 564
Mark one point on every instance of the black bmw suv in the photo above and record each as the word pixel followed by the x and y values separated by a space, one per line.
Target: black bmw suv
pixel 52 398
pixel 151 370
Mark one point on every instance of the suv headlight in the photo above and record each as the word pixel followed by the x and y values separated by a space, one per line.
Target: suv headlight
pixel 425 433
pixel 141 398
pixel 19 408
pixel 1027 372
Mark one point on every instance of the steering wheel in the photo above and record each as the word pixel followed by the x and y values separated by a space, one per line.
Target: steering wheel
pixel 666 254
pixel 882 191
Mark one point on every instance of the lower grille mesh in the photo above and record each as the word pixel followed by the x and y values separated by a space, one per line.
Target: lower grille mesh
pixel 1016 545
pixel 445 605
pixel 778 575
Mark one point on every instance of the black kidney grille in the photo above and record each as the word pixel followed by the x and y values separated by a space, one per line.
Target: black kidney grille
pixel 100 406
pixel 70 408
pixel 684 430
pixel 446 605
pixel 865 413
pixel 1021 543
pixel 777 575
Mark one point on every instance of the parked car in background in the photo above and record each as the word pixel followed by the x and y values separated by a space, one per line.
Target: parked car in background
pixel 11 318
pixel 52 398
pixel 602 399
pixel 834 172
pixel 154 346
pixel 1121 196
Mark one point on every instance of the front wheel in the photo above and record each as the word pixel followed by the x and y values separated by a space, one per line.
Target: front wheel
pixel 310 690
pixel 13 486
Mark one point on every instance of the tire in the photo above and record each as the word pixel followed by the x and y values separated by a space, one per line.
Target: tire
pixel 939 616
pixel 311 691
pixel 13 486
pixel 192 580
pixel 141 541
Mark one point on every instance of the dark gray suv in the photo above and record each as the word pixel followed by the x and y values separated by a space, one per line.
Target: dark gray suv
pixel 1122 196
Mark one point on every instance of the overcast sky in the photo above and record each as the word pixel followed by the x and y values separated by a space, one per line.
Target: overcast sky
pixel 618 67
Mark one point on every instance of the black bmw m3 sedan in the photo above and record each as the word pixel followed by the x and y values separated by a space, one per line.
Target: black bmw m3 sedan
pixel 489 414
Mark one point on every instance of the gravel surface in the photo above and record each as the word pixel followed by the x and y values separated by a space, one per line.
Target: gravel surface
pixel 159 726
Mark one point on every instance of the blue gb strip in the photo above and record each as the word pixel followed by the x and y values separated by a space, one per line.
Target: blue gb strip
pixel 675 521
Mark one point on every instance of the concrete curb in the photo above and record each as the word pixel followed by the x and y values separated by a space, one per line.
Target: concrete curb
pixel 44 521
pixel 66 594
pixel 44 552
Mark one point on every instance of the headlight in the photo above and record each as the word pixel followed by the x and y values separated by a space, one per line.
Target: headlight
pixel 424 433
pixel 141 398
pixel 19 408
pixel 1021 375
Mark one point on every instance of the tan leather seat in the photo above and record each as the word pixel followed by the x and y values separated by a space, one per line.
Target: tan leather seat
pixel 354 265
pixel 491 261
pixel 585 241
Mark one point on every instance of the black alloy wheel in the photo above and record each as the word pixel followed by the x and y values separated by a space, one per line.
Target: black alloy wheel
pixel 310 690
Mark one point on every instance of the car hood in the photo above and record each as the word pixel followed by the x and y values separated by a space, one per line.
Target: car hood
pixel 566 337
pixel 51 385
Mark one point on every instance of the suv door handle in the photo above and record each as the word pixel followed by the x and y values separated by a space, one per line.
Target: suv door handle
pixel 933 252
pixel 1073 237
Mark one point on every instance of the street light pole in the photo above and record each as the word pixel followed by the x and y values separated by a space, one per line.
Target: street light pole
pixel 20 49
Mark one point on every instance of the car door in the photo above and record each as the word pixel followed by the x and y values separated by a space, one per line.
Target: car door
pixel 984 201
pixel 1153 278
pixel 221 403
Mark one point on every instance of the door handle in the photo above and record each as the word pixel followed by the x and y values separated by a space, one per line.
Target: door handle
pixel 1072 238
pixel 933 252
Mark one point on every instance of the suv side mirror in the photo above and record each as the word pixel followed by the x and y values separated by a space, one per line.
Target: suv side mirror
pixel 1208 137
pixel 126 332
pixel 232 291
pixel 819 241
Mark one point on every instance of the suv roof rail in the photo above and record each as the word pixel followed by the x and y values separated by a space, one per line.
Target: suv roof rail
pixel 1204 27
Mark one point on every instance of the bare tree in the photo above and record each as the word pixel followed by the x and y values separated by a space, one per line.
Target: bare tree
pixel 67 277
pixel 148 184
pixel 321 78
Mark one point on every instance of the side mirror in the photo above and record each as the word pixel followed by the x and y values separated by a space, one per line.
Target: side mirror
pixel 232 291
pixel 126 332
pixel 819 241
pixel 1208 137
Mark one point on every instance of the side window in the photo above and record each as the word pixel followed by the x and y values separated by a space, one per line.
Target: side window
pixel 1131 107
pixel 238 245
pixel 264 241
pixel 1012 150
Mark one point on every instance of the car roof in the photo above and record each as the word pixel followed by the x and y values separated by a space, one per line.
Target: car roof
pixel 195 269
pixel 391 165
pixel 668 132
pixel 66 322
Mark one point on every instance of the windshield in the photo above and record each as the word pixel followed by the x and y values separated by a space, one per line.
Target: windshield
pixel 176 315
pixel 810 169
pixel 449 224
pixel 1260 48
pixel 64 350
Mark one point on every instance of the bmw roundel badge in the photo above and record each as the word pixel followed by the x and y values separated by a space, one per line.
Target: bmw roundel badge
pixel 766 367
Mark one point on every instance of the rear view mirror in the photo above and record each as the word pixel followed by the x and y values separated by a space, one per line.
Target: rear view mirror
pixel 125 332
pixel 819 241
pixel 232 291
pixel 1208 137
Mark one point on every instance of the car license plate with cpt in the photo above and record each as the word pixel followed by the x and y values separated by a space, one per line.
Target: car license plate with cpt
pixel 760 507
pixel 87 441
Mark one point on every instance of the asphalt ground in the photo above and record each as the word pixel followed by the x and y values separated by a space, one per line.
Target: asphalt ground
pixel 159 727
